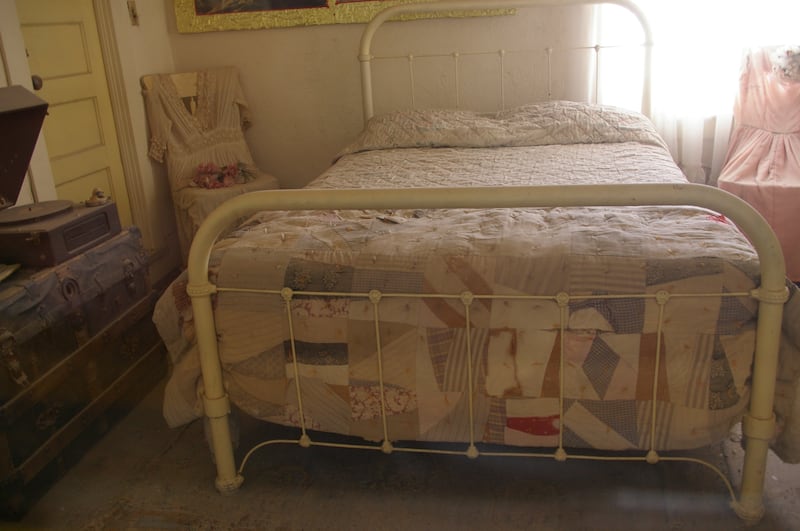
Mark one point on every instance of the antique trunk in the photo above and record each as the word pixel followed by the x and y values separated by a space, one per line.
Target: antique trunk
pixel 76 342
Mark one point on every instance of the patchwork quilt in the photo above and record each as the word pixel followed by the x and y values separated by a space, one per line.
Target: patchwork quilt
pixel 604 258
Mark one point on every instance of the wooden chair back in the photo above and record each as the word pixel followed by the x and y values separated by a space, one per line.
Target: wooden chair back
pixel 185 83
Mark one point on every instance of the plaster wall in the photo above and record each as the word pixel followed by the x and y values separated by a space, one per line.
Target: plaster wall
pixel 303 83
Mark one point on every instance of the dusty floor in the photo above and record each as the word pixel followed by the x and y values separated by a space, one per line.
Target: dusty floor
pixel 143 475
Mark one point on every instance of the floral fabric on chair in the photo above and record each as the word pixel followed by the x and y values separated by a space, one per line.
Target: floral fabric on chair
pixel 202 143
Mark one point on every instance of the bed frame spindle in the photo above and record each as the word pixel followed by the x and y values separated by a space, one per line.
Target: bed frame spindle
pixel 367 57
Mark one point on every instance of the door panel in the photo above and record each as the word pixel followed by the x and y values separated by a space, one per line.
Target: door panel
pixel 77 186
pixel 72 169
pixel 56 50
pixel 64 49
pixel 81 115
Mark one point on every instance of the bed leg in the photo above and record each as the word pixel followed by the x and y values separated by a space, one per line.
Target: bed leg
pixel 758 424
pixel 750 507
pixel 217 412
pixel 216 405
pixel 758 433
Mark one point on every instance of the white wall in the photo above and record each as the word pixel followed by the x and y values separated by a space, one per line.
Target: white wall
pixel 303 83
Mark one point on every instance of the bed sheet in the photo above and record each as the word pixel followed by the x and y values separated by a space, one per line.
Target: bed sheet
pixel 609 344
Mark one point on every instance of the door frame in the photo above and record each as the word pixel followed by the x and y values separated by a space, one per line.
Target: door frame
pixel 122 117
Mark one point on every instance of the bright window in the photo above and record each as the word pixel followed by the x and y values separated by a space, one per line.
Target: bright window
pixel 697 53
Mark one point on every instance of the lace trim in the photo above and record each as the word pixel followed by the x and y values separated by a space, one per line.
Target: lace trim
pixel 786 62
pixel 172 91
pixel 206 95
pixel 157 150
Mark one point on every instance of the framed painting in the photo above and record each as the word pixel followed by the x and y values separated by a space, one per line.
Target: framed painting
pixel 195 16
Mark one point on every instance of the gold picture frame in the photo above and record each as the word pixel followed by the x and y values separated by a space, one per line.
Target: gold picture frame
pixel 195 16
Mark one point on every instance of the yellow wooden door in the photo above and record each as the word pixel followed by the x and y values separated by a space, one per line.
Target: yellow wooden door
pixel 64 50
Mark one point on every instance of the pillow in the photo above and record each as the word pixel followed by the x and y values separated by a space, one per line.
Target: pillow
pixel 546 123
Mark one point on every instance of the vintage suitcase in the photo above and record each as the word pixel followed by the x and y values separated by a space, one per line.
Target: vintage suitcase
pixel 74 339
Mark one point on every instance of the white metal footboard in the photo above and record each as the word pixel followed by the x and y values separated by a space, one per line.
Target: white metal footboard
pixel 759 421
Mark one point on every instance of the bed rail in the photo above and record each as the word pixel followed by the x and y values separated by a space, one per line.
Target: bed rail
pixel 366 56
pixel 759 422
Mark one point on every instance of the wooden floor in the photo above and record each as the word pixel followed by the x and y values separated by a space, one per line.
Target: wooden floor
pixel 143 475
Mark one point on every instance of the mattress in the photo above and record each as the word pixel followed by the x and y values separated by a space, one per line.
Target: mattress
pixel 515 255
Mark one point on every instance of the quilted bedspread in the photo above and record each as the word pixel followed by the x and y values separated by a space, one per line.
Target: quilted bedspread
pixel 609 344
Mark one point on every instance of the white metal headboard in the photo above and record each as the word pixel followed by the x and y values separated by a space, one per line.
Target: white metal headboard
pixel 366 56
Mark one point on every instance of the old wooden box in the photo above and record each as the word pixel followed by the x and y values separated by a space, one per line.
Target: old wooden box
pixel 76 345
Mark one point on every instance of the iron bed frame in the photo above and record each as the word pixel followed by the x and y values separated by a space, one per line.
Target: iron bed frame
pixel 759 421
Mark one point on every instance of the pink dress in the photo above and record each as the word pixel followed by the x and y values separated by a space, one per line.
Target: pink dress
pixel 763 161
